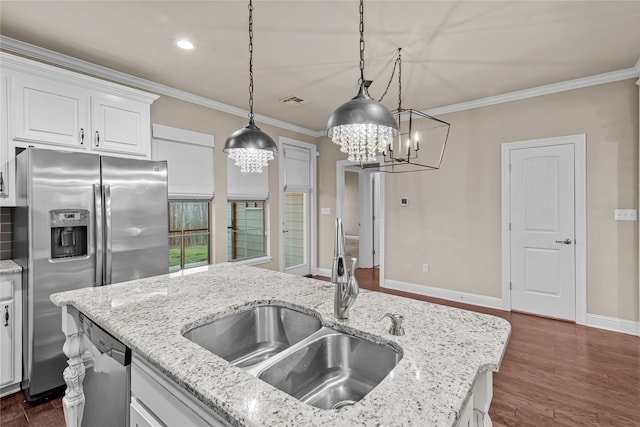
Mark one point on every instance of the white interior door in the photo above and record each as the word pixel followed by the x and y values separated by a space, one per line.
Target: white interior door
pixel 297 178
pixel 542 213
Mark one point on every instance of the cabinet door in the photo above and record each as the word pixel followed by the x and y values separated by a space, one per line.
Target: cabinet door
pixel 7 186
pixel 7 343
pixel 47 111
pixel 120 125
pixel 140 417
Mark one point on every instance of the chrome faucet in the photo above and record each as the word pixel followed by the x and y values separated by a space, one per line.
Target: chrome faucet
pixel 345 281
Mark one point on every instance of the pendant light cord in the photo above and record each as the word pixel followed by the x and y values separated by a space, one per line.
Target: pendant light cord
pixel 361 81
pixel 397 64
pixel 399 79
pixel 250 60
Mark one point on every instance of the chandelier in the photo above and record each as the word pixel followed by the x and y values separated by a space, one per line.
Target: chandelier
pixel 363 127
pixel 420 141
pixel 249 147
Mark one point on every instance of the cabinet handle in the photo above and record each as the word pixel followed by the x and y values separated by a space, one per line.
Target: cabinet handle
pixel 1 182
pixel 81 136
pixel 6 315
pixel 97 139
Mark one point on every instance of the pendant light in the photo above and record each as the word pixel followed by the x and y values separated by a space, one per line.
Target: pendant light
pixel 250 147
pixel 421 139
pixel 363 127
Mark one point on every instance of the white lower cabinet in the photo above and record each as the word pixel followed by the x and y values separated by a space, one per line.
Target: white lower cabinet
pixel 7 337
pixel 10 333
pixel 139 416
pixel 158 401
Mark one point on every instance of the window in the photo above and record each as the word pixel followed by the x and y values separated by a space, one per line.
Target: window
pixel 245 229
pixel 246 205
pixel 189 234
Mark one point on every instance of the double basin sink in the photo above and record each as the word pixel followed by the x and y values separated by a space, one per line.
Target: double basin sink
pixel 295 353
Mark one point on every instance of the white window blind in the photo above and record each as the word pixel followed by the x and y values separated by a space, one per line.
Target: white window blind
pixel 297 164
pixel 190 158
pixel 249 186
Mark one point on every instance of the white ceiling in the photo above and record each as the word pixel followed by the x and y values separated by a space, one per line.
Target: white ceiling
pixel 453 51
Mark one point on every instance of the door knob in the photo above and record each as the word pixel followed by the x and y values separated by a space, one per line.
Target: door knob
pixel 565 241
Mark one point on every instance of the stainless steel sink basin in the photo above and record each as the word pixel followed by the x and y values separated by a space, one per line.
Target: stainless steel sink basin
pixel 252 336
pixel 332 371
pixel 293 352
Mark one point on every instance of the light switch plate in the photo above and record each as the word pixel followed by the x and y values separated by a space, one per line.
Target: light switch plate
pixel 625 215
pixel 404 202
pixel 325 211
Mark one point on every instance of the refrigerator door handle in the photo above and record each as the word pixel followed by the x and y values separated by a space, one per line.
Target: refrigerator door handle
pixel 107 234
pixel 97 198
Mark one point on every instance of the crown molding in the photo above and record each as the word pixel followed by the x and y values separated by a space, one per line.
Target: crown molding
pixel 46 55
pixel 598 79
pixel 42 54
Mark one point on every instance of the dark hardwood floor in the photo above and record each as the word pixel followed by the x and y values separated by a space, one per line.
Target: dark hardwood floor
pixel 554 373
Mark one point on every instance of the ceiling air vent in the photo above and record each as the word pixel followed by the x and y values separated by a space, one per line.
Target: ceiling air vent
pixel 292 101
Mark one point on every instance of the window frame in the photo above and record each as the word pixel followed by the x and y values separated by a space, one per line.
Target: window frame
pixel 182 266
pixel 232 229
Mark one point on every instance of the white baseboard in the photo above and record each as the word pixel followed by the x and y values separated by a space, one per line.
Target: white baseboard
pixel 9 389
pixel 322 272
pixel 613 324
pixel 429 291
pixel 593 320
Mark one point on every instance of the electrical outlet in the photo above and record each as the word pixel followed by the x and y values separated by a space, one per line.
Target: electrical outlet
pixel 625 215
pixel 425 268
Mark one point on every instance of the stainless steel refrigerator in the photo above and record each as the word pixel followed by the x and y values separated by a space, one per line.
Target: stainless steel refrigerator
pixel 81 220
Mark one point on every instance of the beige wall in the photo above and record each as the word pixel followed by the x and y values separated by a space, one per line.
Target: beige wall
pixel 329 155
pixel 174 112
pixel 453 220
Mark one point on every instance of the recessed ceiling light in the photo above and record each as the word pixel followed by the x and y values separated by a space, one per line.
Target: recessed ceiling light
pixel 185 44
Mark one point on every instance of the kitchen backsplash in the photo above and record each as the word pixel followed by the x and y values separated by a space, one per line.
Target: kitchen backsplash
pixel 6 233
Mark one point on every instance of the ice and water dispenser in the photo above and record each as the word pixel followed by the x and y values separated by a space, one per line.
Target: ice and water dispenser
pixel 69 233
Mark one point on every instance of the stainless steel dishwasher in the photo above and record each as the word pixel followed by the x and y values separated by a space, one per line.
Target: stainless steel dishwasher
pixel 107 383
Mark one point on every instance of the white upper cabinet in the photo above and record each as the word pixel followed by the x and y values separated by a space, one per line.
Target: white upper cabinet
pixel 49 112
pixel 49 107
pixel 120 126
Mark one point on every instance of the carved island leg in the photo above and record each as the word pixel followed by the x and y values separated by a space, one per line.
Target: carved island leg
pixel 482 395
pixel 74 348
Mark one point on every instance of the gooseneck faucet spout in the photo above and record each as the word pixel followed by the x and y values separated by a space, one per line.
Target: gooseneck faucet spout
pixel 346 285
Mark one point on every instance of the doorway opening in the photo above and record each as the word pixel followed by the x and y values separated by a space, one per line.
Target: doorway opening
pixel 360 202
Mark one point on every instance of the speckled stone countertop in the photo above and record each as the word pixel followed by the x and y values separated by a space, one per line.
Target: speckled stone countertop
pixel 8 267
pixel 444 347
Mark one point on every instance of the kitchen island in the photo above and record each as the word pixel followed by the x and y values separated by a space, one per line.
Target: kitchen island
pixel 443 378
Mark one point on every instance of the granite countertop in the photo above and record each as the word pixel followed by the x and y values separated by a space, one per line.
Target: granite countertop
pixel 8 267
pixel 444 348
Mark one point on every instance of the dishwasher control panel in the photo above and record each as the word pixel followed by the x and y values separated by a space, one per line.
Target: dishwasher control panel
pixel 105 342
